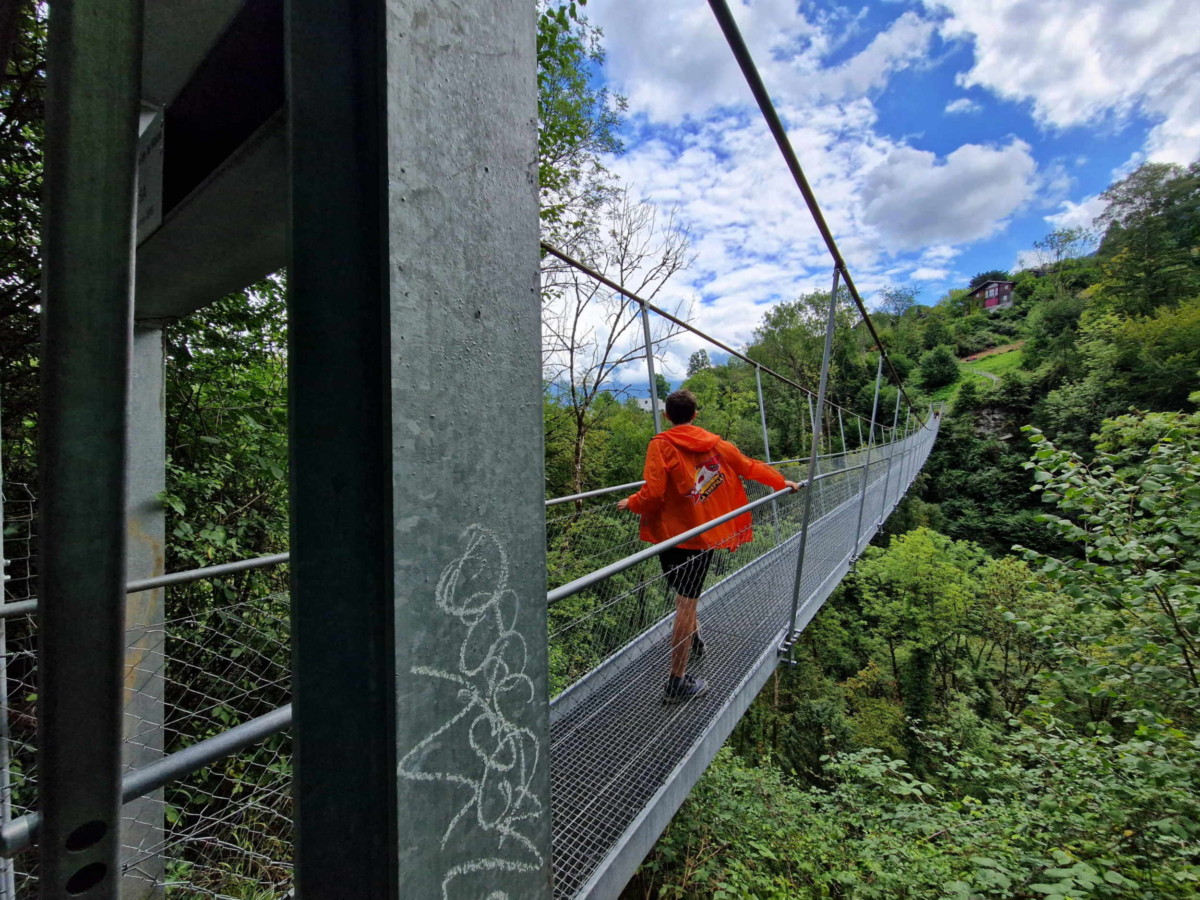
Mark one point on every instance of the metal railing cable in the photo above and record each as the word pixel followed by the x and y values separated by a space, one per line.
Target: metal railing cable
pixel 742 54
pixel 646 304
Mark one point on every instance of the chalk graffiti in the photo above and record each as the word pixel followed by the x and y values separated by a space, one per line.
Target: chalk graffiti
pixel 493 693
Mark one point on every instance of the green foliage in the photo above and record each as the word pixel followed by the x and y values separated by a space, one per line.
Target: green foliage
pixel 697 362
pixel 1149 248
pixel 1134 516
pixel 226 387
pixel 938 368
pixel 577 122
pixel 990 275
pixel 21 103
pixel 1052 816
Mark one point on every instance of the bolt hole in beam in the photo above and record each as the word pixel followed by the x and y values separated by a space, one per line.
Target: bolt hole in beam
pixel 86 835
pixel 86 879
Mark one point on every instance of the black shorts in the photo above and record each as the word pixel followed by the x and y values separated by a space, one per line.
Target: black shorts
pixel 685 569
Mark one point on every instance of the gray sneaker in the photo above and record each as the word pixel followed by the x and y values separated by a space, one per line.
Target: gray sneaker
pixel 685 688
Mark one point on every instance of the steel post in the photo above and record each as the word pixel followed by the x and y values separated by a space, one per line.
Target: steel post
pixel 842 431
pixel 907 455
pixel 887 480
pixel 650 369
pixel 94 83
pixel 145 615
pixel 762 418
pixel 862 500
pixel 418 551
pixel 812 464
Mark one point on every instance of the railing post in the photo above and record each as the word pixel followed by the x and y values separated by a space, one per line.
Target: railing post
pixel 789 638
pixel 762 417
pixel 884 512
pixel 907 471
pixel 862 500
pixel 842 431
pixel 650 369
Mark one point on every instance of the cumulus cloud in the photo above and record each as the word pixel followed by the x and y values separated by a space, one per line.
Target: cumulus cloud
pixel 1077 215
pixel 924 273
pixel 913 198
pixel 962 106
pixel 902 44
pixel 671 60
pixel 1081 62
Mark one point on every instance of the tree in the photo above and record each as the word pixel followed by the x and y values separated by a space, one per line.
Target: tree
pixel 1134 516
pixel 697 362
pixel 662 387
pixel 589 331
pixel 22 89
pixel 990 275
pixel 939 368
pixel 577 122
pixel 896 301
pixel 1055 249
pixel 1152 229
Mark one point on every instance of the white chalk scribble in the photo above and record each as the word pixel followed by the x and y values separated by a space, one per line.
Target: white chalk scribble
pixel 493 694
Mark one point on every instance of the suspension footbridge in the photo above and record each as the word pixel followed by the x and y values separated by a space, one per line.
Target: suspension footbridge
pixel 459 695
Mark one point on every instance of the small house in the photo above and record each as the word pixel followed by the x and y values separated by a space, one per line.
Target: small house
pixel 993 295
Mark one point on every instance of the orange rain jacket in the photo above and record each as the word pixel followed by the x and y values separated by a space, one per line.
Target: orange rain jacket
pixel 691 478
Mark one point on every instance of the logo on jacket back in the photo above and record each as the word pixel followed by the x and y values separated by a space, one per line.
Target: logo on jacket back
pixel 709 477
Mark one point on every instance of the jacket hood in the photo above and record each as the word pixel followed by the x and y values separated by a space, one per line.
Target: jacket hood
pixel 689 437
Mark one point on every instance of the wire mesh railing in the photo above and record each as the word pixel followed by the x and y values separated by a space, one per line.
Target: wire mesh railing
pixel 225 830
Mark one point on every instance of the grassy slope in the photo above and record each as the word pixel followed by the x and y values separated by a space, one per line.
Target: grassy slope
pixel 999 365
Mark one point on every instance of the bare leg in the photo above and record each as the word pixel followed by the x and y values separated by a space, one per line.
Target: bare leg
pixel 681 636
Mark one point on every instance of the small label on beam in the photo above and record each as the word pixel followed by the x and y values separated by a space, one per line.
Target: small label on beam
pixel 149 172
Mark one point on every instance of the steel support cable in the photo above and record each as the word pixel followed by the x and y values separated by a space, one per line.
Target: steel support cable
pixel 625 292
pixel 742 54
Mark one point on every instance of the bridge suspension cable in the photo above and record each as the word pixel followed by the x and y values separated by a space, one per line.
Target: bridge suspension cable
pixel 741 53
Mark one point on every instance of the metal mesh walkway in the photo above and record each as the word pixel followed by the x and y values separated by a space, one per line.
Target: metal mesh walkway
pixel 621 761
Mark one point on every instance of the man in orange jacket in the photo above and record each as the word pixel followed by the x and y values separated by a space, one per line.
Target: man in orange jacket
pixel 691 478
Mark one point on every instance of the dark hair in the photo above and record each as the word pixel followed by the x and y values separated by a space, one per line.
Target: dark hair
pixel 681 407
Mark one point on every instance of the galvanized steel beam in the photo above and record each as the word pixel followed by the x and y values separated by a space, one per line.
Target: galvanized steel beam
pixel 145 615
pixel 418 570
pixel 91 149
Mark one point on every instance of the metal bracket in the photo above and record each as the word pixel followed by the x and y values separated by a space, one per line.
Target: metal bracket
pixel 787 647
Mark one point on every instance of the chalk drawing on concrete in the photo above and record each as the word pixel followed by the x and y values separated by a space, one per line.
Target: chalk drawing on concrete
pixel 493 697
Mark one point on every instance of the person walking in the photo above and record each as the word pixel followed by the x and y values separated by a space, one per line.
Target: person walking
pixel 692 478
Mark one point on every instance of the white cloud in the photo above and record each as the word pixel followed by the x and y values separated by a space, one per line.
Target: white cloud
pixel 914 199
pixel 962 106
pixel 904 43
pixel 1077 215
pixel 924 273
pixel 671 60
pixel 1082 62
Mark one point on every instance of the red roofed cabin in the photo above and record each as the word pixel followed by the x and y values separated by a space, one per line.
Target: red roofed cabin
pixel 993 295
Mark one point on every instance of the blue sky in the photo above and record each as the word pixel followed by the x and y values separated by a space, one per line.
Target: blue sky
pixel 942 137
